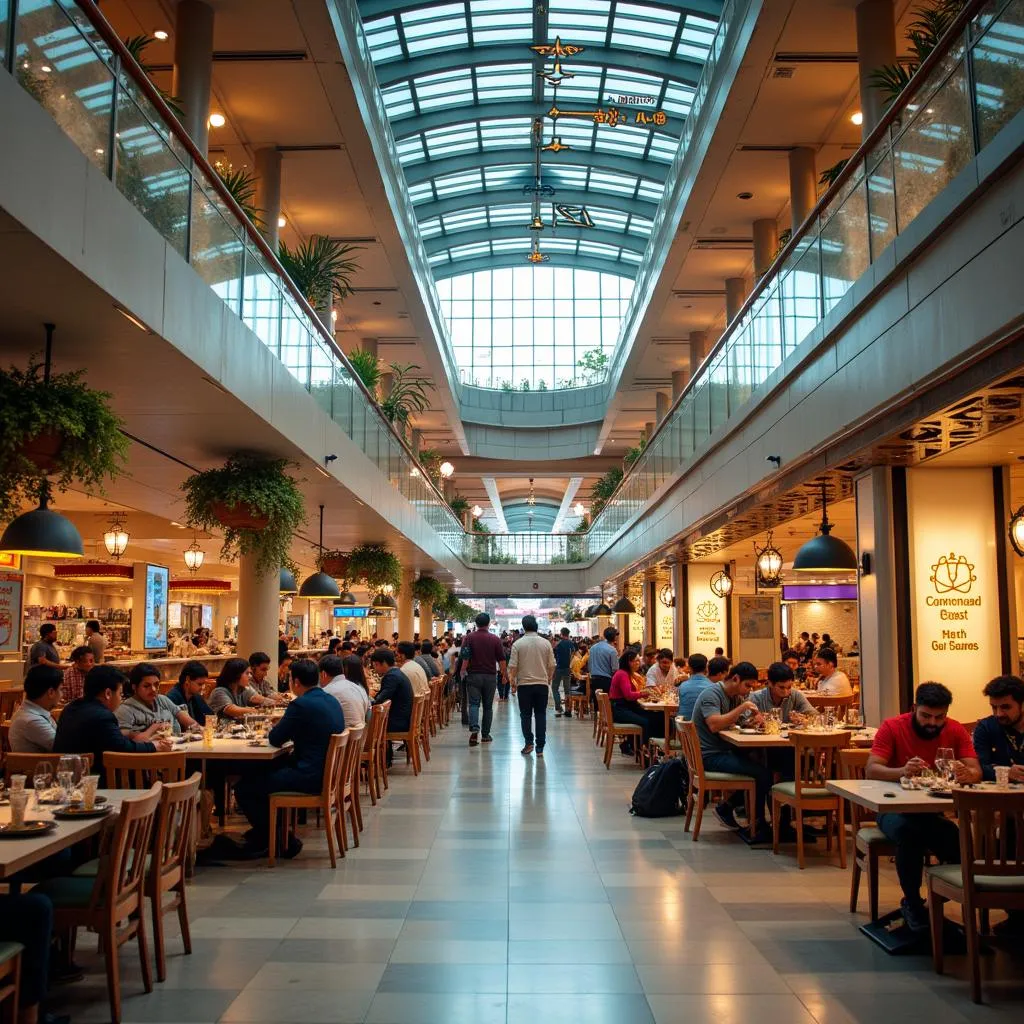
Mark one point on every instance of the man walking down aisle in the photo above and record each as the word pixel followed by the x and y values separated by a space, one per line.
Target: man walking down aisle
pixel 483 652
pixel 530 667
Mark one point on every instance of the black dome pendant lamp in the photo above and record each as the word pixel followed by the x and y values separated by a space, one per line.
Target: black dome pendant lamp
pixel 825 553
pixel 320 586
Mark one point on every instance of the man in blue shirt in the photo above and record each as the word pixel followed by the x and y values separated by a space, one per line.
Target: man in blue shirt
pixel 702 674
pixel 310 721
pixel 604 662
pixel 188 693
pixel 564 651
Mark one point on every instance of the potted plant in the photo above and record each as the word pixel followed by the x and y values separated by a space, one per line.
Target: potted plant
pixel 408 394
pixel 54 425
pixel 459 505
pixel 429 590
pixel 376 567
pixel 335 563
pixel 321 268
pixel 366 365
pixel 254 501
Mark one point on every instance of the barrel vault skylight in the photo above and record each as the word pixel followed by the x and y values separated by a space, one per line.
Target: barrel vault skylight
pixel 533 131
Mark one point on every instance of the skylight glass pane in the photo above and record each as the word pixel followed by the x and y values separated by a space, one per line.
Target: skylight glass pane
pixel 604 218
pixel 663 147
pixel 456 184
pixel 506 177
pixel 630 257
pixel 678 98
pixel 583 88
pixel 510 245
pixel 612 182
pixel 421 193
pixel 651 190
pixel 410 150
pixel 510 214
pixel 459 138
pixel 398 100
pixel 582 22
pixel 504 81
pixel 430 228
pixel 641 226
pixel 505 132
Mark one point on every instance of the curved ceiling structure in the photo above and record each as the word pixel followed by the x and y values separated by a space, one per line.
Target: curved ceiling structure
pixel 532 131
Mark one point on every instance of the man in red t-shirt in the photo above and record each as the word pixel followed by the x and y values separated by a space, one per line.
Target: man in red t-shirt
pixel 483 653
pixel 907 745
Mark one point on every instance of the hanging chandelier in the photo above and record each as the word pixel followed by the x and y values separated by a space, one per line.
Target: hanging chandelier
pixel 768 564
pixel 194 556
pixel 115 540
pixel 721 583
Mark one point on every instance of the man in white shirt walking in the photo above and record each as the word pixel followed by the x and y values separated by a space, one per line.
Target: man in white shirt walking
pixel 530 667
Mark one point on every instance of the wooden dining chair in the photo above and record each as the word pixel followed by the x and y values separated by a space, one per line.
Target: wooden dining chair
pixel 10 701
pixel 10 981
pixel 25 764
pixel 348 788
pixel 990 875
pixel 172 849
pixel 326 801
pixel 111 903
pixel 613 730
pixel 374 740
pixel 434 718
pixel 702 783
pixel 815 760
pixel 870 843
pixel 411 736
pixel 428 703
pixel 820 701
pixel 140 771
pixel 579 703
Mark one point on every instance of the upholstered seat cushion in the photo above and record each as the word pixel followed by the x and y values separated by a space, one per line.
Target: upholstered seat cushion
pixel 726 777
pixel 789 789
pixel 91 868
pixel 9 950
pixel 67 891
pixel 951 875
pixel 871 836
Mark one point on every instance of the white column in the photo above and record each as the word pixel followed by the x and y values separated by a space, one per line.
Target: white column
pixel 258 601
pixel 661 404
pixel 193 67
pixel 680 378
pixel 735 296
pixel 803 184
pixel 876 47
pixel 405 605
pixel 766 245
pixel 268 191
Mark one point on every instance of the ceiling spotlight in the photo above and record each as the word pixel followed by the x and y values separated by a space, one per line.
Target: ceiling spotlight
pixel 477 511
pixel 281 222
pixel 579 509
pixel 161 35
pixel 45 68
pixel 745 195
pixel 447 470
pixel 857 117
pixel 216 120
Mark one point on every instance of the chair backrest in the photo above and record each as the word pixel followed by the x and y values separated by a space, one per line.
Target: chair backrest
pixel 821 701
pixel 349 766
pixel 123 859
pixel 140 771
pixel 690 742
pixel 991 833
pixel 25 764
pixel 5 738
pixel 418 705
pixel 816 757
pixel 332 765
pixel 853 762
pixel 385 719
pixel 604 708
pixel 174 825
pixel 9 702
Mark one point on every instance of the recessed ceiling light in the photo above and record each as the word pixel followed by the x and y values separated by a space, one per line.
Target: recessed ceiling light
pixel 132 318
pixel 216 120
pixel 45 68
pixel 281 222
pixel 745 195
pixel 161 34
pixel 376 302
pixel 857 117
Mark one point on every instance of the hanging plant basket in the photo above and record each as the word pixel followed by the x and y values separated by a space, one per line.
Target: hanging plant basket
pixel 376 567
pixel 239 517
pixel 43 450
pixel 334 563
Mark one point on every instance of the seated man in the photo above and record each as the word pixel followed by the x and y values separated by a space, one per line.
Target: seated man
pixel 405 658
pixel 259 671
pixel 426 660
pixel 999 740
pixel 395 687
pixel 663 671
pixel 780 693
pixel 310 721
pixel 28 920
pixel 89 726
pixel 32 727
pixel 831 682
pixel 714 713
pixel 907 745
pixel 144 711
pixel 334 678
pixel 702 674
pixel 188 694
pixel 82 659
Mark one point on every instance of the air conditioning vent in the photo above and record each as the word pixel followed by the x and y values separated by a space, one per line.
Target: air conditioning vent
pixel 243 56
pixel 815 57
pixel 783 72
pixel 725 244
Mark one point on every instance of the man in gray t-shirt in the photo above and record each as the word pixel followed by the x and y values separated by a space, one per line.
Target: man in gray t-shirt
pixel 42 651
pixel 781 694
pixel 719 708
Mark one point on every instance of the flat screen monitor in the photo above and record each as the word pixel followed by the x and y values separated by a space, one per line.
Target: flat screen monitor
pixel 156 610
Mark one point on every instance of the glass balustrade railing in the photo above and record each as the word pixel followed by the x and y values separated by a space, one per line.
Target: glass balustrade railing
pixel 970 88
pixel 68 58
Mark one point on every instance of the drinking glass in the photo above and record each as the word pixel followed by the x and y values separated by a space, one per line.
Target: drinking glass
pixel 77 768
pixel 89 784
pixel 853 718
pixel 17 783
pixel 209 730
pixel 19 801
pixel 42 780
pixel 66 780
pixel 944 762
pixel 830 718
pixel 1002 775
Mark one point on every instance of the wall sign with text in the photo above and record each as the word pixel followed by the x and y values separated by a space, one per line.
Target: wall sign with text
pixel 707 616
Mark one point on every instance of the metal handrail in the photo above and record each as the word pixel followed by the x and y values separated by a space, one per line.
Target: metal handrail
pixel 770 276
pixel 139 76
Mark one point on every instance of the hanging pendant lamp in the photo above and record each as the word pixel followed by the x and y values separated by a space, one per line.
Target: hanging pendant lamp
pixel 287 584
pixel 42 533
pixel 346 598
pixel 825 553
pixel 384 603
pixel 320 586
pixel 602 608
pixel 624 606
pixel 721 583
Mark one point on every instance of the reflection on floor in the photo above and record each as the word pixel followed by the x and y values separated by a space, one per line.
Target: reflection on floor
pixel 499 888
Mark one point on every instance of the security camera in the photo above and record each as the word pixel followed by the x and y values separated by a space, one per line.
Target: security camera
pixel 776 459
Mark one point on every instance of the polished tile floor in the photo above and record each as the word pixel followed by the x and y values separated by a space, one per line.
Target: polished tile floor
pixel 496 888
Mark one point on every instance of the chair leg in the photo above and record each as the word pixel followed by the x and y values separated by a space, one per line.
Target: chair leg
pixel 935 917
pixel 186 931
pixel 841 833
pixel 799 838
pixel 159 951
pixel 701 800
pixel 140 935
pixel 973 951
pixel 339 831
pixel 873 884
pixel 358 808
pixel 775 825
pixel 608 741
pixel 689 810
pixel 272 844
pixel 353 811
pixel 109 935
pixel 854 883
pixel 329 829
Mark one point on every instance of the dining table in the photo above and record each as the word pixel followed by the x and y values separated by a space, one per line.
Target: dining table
pixel 16 854
pixel 668 708
pixel 748 739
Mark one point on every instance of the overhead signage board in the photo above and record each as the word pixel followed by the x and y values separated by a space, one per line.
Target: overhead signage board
pixel 707 615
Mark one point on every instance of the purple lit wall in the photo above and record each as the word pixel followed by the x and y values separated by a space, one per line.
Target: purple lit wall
pixel 819 592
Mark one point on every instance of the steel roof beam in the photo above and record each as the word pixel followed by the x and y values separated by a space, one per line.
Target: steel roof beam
pixel 370 9
pixel 442 271
pixel 514 197
pixel 680 69
pixel 483 233
pixel 610 163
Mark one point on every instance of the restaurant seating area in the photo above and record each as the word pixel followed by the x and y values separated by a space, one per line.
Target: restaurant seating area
pixel 492 887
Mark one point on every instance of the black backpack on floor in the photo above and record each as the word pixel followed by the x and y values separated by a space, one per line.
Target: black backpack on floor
pixel 660 793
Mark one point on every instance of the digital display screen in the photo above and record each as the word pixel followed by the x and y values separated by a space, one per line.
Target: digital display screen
pixel 156 611
pixel 819 592
pixel 346 612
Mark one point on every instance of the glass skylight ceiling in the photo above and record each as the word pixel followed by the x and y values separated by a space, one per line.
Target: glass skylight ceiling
pixel 462 89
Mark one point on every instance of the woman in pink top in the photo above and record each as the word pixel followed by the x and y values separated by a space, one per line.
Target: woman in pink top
pixel 625 699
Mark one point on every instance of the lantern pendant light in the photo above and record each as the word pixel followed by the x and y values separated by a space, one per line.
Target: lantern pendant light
pixel 721 583
pixel 41 532
pixel 1017 531
pixel 825 553
pixel 624 606
pixel 194 556
pixel 768 564
pixel 320 586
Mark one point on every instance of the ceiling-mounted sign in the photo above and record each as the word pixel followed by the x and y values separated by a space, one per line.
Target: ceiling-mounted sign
pixel 707 615
pixel 954 584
